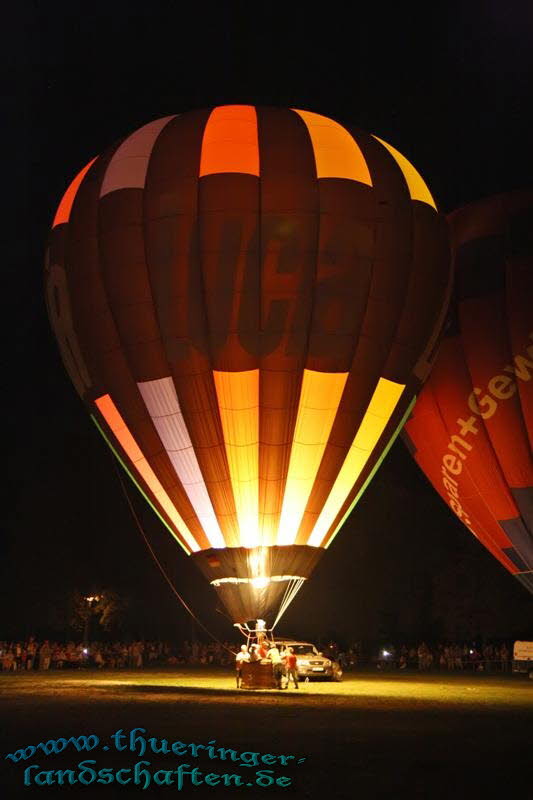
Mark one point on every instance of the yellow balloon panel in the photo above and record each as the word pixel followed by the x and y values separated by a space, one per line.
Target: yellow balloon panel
pixel 379 411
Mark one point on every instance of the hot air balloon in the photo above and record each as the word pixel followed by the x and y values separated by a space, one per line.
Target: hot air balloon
pixel 472 427
pixel 247 300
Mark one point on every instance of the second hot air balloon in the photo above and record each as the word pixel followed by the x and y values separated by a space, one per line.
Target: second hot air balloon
pixel 247 300
pixel 472 428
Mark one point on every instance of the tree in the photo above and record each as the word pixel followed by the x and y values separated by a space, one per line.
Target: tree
pixel 104 608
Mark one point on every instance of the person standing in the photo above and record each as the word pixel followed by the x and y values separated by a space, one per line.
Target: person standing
pixel 31 649
pixel 291 663
pixel 254 653
pixel 45 654
pixel 262 648
pixel 242 657
pixel 277 664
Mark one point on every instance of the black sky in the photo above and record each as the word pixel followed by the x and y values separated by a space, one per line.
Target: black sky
pixel 450 87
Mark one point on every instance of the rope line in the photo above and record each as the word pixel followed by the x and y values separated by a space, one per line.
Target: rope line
pixel 295 586
pixel 161 568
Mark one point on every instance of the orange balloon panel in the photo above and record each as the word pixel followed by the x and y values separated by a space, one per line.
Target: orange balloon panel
pixel 472 427
pixel 248 299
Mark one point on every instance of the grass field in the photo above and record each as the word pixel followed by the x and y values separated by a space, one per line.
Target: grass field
pixel 371 736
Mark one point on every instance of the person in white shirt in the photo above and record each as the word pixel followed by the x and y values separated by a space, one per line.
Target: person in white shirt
pixel 242 656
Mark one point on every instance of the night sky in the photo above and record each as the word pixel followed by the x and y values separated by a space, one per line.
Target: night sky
pixel 451 89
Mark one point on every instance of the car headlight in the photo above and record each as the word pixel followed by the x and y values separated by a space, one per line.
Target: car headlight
pixel 327 663
pixel 303 662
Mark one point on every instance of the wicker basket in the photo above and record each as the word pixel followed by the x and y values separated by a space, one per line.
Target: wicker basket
pixel 257 675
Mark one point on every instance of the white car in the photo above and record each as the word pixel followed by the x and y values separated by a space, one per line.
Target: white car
pixel 311 663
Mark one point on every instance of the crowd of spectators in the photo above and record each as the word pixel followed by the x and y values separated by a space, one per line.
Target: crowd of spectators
pixel 447 657
pixel 34 654
pixel 46 654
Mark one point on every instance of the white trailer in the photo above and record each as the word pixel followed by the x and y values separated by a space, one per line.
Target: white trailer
pixel 523 657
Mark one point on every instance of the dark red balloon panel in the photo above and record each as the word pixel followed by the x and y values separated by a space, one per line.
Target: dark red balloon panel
pixel 472 427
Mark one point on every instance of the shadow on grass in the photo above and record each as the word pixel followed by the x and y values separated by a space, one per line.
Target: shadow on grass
pixel 205 691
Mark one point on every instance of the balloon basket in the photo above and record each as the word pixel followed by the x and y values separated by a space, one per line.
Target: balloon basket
pixel 257 675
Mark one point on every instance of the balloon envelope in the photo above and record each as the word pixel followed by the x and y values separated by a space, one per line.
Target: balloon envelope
pixel 248 299
pixel 472 427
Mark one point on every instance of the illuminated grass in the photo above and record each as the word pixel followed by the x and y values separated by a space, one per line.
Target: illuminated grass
pixel 372 736
pixel 358 690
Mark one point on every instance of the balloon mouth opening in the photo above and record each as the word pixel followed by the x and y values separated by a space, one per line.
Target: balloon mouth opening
pixel 259 581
